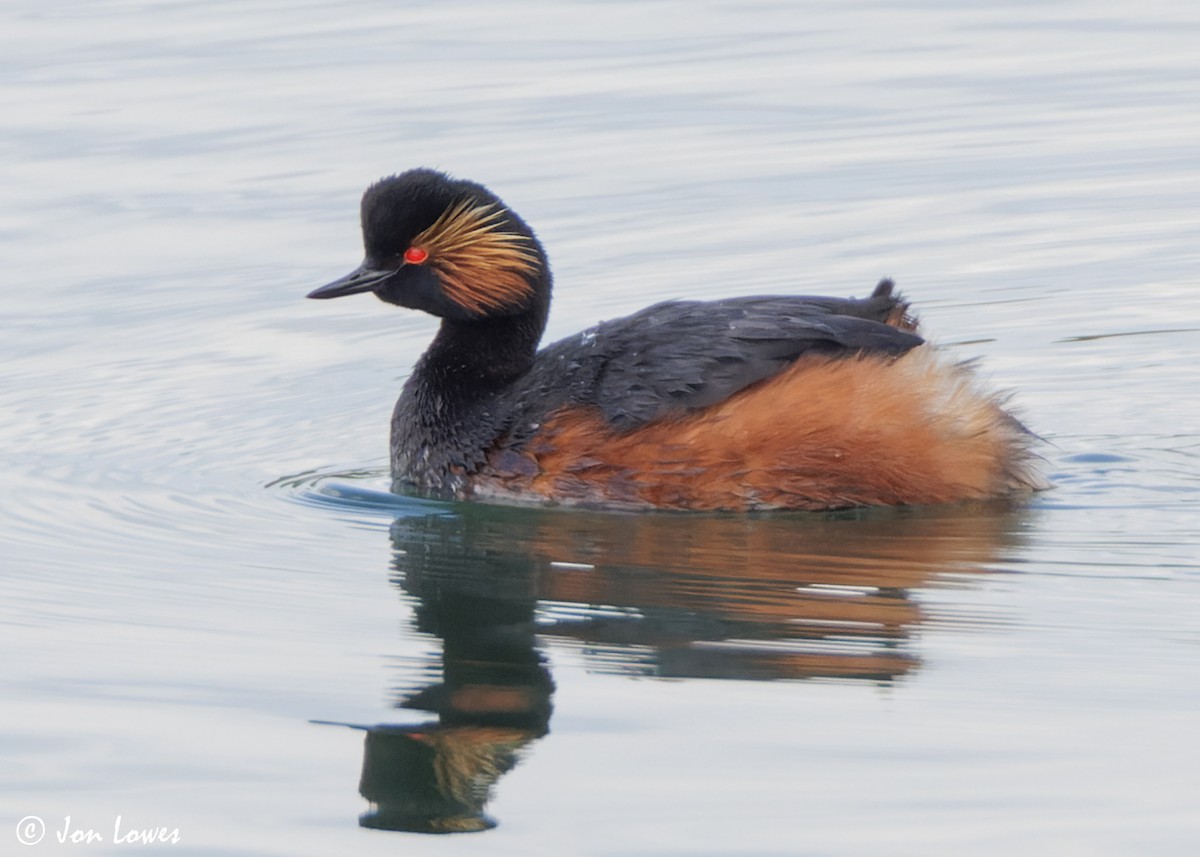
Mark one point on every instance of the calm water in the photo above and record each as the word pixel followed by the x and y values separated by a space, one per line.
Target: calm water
pixel 205 587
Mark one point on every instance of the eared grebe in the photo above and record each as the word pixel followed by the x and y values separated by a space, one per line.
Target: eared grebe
pixel 739 404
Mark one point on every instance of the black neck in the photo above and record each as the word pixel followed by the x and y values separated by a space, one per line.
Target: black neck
pixel 482 354
pixel 446 417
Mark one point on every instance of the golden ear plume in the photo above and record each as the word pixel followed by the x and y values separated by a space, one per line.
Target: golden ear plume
pixel 482 267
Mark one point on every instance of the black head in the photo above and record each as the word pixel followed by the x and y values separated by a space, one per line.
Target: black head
pixel 448 247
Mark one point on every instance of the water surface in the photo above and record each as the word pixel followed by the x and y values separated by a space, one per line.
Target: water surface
pixel 215 616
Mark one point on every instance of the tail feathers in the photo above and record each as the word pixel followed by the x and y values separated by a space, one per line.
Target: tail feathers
pixel 896 312
pixel 973 416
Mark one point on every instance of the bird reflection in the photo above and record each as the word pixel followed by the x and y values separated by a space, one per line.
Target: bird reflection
pixel 719 597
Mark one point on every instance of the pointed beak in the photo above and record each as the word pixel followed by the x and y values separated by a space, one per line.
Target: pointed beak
pixel 364 278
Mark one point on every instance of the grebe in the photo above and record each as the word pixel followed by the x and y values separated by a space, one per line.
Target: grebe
pixel 741 404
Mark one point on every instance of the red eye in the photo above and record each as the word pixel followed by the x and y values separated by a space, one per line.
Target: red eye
pixel 415 255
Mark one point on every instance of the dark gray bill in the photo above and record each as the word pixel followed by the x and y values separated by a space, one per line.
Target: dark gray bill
pixel 361 279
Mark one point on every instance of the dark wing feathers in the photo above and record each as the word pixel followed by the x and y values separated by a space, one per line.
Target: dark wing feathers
pixel 683 355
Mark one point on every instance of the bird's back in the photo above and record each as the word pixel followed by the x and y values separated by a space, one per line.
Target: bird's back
pixel 755 403
pixel 681 356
